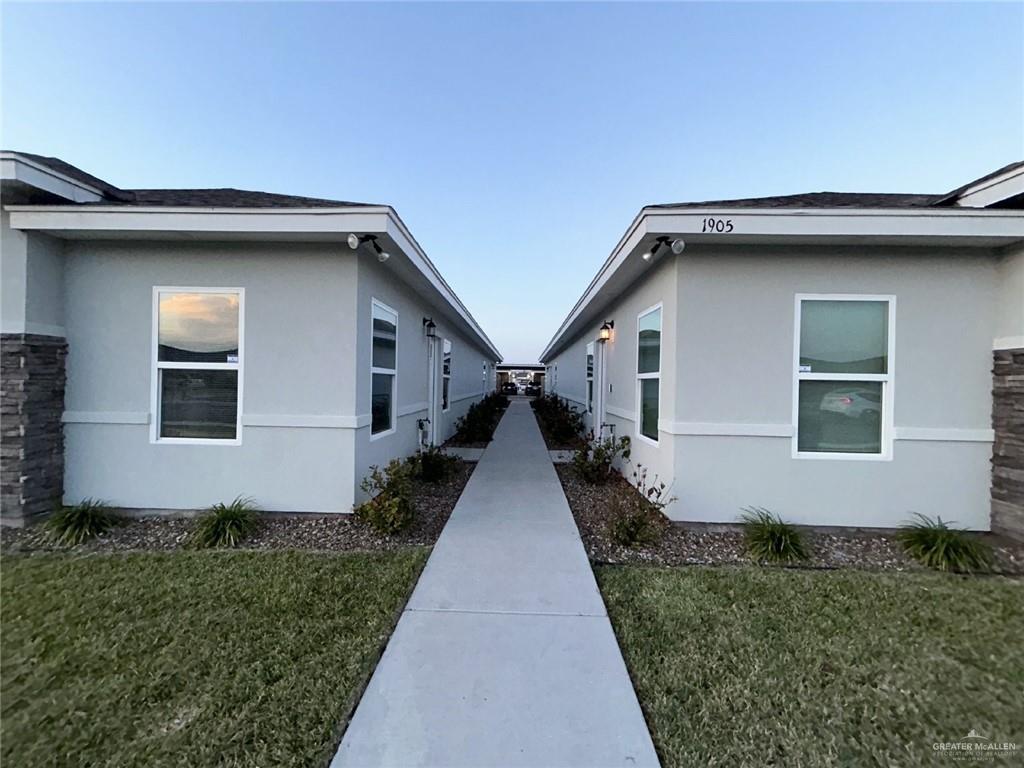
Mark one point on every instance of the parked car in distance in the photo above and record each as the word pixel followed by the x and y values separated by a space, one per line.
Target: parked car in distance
pixel 508 388
pixel 533 389
pixel 853 402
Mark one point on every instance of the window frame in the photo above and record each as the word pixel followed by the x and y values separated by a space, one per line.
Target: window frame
pixel 642 376
pixel 887 379
pixel 157 365
pixel 393 372
pixel 446 401
pixel 589 359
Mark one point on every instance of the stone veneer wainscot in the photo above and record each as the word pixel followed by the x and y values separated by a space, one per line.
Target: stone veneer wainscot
pixel 1008 449
pixel 32 379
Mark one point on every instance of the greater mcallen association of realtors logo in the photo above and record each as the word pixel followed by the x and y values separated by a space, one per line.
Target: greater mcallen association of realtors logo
pixel 974 746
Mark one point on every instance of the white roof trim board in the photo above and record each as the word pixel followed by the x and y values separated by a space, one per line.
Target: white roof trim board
pixel 286 224
pixel 774 226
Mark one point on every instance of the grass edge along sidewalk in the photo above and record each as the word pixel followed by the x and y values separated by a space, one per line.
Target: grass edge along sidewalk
pixel 749 666
pixel 197 658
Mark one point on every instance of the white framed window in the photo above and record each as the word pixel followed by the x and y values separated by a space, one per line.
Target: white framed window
pixel 648 373
pixel 590 377
pixel 197 364
pixel 446 375
pixel 383 370
pixel 483 384
pixel 843 375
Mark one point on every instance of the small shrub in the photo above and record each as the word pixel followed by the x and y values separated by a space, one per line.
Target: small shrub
pixel 769 539
pixel 389 508
pixel 225 525
pixel 934 544
pixel 481 419
pixel 638 513
pixel 594 459
pixel 562 423
pixel 73 525
pixel 433 465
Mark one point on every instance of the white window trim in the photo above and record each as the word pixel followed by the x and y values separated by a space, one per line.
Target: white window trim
pixel 642 376
pixel 446 376
pixel 392 371
pixel 888 379
pixel 590 360
pixel 157 365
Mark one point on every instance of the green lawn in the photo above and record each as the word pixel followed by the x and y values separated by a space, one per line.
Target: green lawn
pixel 190 658
pixel 747 666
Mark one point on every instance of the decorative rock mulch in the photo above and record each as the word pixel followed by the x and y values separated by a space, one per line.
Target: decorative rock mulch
pixel 329 533
pixel 695 544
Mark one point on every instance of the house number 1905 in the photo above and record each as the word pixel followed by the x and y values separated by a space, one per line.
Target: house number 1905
pixel 717 225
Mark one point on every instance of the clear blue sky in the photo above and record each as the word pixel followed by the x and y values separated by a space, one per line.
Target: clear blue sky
pixel 517 141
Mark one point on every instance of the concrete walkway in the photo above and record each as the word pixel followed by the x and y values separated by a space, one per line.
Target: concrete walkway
pixel 504 655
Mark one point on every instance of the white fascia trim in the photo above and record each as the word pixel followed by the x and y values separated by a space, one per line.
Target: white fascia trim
pixel 993 190
pixel 306 421
pixel 277 421
pixel 622 413
pixel 947 223
pixel 105 417
pixel 409 410
pixel 292 221
pixel 725 429
pixel 1008 342
pixel 946 434
pixel 15 167
pixel 130 219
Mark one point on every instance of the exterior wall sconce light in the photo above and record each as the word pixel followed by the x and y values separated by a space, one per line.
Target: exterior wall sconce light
pixel 354 241
pixel 606 330
pixel 429 328
pixel 676 246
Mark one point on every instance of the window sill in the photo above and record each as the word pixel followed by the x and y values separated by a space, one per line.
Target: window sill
pixel 645 439
pixel 385 433
pixel 824 455
pixel 194 441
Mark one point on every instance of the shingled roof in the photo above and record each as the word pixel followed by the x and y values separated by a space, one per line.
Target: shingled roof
pixel 818 200
pixel 846 199
pixel 223 198
pixel 184 198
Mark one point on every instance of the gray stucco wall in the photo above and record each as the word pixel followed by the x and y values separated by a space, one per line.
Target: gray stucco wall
pixel 296 452
pixel 1010 297
pixel 736 327
pixel 31 281
pixel 727 389
pixel 377 281
pixel 659 285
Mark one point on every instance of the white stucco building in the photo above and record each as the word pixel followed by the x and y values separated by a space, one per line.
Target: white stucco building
pixel 216 343
pixel 828 356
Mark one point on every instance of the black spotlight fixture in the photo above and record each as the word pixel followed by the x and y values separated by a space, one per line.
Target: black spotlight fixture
pixel 677 245
pixel 354 241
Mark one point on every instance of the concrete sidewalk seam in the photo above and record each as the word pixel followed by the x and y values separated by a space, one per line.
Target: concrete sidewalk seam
pixel 561 614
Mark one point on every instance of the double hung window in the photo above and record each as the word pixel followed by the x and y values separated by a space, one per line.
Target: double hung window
pixel 197 365
pixel 844 375
pixel 383 369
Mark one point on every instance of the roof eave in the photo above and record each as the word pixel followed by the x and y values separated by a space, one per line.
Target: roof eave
pixel 751 226
pixel 281 224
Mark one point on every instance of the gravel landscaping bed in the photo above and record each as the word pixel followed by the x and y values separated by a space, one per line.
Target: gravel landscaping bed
pixel 332 533
pixel 695 544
